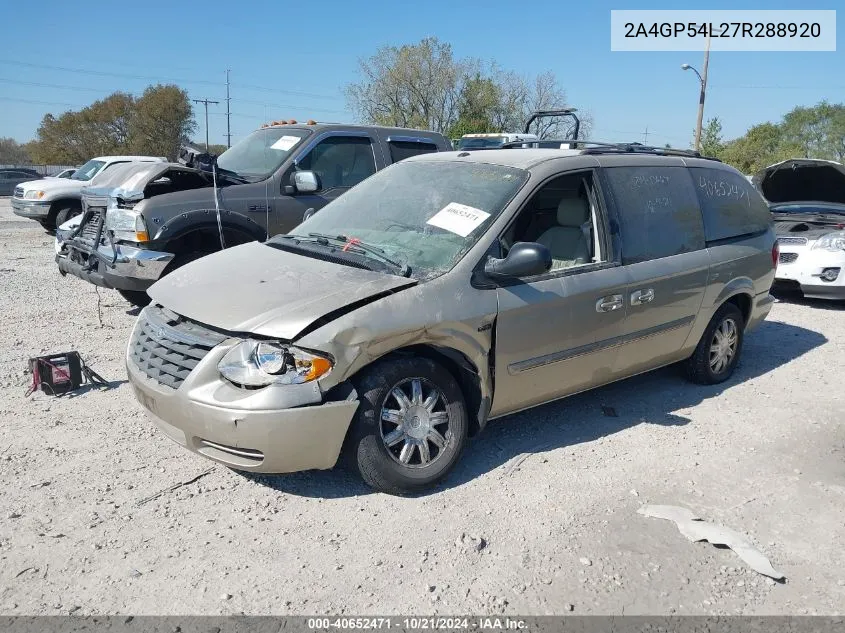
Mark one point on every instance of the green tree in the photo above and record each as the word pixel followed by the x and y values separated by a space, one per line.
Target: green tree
pixel 761 146
pixel 711 138
pixel 74 137
pixel 163 120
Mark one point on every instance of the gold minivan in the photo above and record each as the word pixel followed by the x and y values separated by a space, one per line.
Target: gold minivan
pixel 448 290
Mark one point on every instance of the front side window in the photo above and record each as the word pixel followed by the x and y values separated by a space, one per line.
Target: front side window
pixel 730 205
pixel 426 214
pixel 260 154
pixel 340 161
pixel 88 170
pixel 658 212
pixel 563 216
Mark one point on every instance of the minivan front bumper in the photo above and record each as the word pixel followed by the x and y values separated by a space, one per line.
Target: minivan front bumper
pixel 276 429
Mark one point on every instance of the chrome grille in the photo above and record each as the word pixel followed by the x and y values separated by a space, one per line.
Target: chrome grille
pixel 787 258
pixel 792 240
pixel 18 192
pixel 167 347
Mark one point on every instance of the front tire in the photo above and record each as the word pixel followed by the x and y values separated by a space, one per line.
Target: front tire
pixel 410 427
pixel 66 214
pixel 138 298
pixel 718 351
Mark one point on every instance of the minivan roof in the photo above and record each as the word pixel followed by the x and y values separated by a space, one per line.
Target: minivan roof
pixel 526 158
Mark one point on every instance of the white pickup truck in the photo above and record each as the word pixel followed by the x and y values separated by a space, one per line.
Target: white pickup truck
pixel 53 201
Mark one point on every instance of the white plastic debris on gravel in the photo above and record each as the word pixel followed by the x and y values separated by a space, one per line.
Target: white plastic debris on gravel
pixel 100 513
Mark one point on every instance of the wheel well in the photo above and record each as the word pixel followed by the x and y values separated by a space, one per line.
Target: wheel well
pixel 207 240
pixel 743 302
pixel 61 203
pixel 462 369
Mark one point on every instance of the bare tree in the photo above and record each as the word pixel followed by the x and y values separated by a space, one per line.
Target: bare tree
pixel 417 85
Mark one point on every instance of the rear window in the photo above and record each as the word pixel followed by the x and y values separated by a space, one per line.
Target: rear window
pixel 400 150
pixel 729 203
pixel 658 212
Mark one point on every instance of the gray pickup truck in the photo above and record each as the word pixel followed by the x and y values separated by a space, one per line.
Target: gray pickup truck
pixel 159 217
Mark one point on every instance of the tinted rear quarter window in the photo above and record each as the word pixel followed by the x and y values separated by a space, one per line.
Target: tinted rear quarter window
pixel 729 203
pixel 658 212
pixel 400 150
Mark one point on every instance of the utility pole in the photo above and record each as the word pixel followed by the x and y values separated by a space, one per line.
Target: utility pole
pixel 645 136
pixel 206 102
pixel 228 113
pixel 701 96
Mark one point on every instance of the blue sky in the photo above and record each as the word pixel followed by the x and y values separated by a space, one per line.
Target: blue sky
pixel 291 60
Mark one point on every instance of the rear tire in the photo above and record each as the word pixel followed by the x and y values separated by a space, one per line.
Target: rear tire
pixel 410 427
pixel 718 351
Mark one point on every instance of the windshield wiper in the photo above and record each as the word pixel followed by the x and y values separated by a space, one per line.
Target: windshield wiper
pixel 353 245
pixel 230 175
pixel 354 242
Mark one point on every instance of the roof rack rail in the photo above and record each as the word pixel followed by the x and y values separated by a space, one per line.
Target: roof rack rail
pixel 603 147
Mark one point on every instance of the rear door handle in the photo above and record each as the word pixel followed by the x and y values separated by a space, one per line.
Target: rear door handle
pixel 609 303
pixel 644 295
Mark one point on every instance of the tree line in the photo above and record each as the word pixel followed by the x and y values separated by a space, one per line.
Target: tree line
pixel 804 132
pixel 425 86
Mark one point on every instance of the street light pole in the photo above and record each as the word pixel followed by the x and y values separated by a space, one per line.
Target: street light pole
pixel 703 82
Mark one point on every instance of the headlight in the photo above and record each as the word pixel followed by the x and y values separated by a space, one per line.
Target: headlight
pixel 831 242
pixel 262 363
pixel 126 224
pixel 33 194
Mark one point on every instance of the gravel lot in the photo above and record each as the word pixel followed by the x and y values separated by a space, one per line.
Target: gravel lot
pixel 552 492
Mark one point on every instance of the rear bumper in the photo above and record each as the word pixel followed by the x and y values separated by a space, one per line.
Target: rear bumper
pixel 760 310
pixel 125 268
pixel 30 209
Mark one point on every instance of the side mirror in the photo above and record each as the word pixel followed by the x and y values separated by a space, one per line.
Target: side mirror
pixel 306 181
pixel 524 259
pixel 308 213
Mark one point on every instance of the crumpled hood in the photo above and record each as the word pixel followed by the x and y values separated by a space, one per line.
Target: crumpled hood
pixel 802 180
pixel 258 289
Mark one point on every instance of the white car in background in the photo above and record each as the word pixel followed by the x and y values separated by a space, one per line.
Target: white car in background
pixel 807 200
pixel 52 201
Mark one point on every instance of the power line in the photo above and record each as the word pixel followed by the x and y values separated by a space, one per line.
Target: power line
pixel 102 73
pixel 35 102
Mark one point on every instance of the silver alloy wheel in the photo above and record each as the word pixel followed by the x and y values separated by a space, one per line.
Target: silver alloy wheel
pixel 414 423
pixel 723 346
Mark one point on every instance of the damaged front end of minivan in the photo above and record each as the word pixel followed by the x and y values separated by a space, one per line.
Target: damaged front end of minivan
pixel 266 387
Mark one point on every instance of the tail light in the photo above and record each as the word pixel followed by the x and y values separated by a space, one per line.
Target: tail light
pixel 775 253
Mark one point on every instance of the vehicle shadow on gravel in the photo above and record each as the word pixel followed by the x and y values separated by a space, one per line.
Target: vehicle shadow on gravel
pixel 796 298
pixel 651 398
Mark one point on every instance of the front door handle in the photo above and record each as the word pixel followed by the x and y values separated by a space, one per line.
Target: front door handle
pixel 638 297
pixel 609 303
